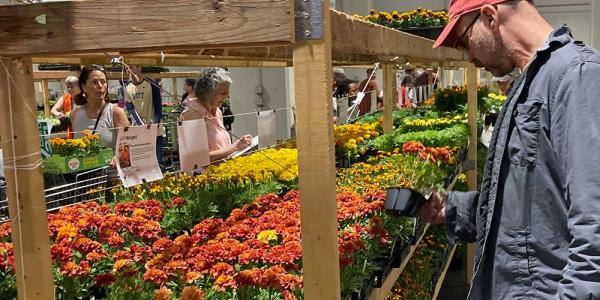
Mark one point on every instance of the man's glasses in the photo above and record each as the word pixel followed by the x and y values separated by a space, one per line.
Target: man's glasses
pixel 461 44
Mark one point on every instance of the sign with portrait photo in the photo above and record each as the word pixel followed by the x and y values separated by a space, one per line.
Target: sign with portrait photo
pixel 136 155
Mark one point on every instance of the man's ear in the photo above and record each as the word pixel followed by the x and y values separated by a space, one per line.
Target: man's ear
pixel 490 16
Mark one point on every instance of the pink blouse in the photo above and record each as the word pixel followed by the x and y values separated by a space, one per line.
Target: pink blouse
pixel 218 137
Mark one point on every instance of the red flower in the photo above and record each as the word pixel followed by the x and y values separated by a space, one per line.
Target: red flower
pixel 104 279
pixel 223 282
pixel 163 293
pixel 71 269
pixel 191 293
pixel 4 230
pixel 60 252
pixel 162 244
pixel 122 255
pixel 221 269
pixel 192 276
pixel 95 256
pixel 140 252
pixel 173 267
pixel 116 240
pixel 155 275
pixel 178 201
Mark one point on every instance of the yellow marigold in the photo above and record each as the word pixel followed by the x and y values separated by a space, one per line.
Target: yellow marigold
pixel 267 236
pixel 120 264
pixel 67 230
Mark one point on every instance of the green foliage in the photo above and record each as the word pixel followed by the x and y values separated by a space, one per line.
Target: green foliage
pixel 492 103
pixel 401 114
pixel 450 99
pixel 454 136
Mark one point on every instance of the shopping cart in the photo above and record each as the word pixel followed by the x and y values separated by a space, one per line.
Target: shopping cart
pixel 85 186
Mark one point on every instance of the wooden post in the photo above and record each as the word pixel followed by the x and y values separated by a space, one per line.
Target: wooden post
pixel 595 24
pixel 46 96
pixel 471 72
pixel 316 160
pixel 174 91
pixel 27 207
pixel 389 93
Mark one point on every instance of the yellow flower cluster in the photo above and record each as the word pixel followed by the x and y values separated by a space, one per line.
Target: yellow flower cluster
pixel 500 98
pixel 349 136
pixel 365 177
pixel 67 147
pixel 375 16
pixel 444 122
pixel 269 164
pixel 267 236
pixel 260 167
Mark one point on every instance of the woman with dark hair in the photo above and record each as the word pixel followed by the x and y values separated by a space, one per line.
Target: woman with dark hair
pixel 94 112
pixel 188 88
pixel 346 88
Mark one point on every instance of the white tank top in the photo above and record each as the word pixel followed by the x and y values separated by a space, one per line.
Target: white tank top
pixel 105 127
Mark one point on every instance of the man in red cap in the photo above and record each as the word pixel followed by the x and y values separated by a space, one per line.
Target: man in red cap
pixel 536 219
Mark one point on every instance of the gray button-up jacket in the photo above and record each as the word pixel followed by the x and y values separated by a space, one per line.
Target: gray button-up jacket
pixel 536 220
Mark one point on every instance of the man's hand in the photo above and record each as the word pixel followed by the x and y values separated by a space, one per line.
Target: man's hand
pixel 434 210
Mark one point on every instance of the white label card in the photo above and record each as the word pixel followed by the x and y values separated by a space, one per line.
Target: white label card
pixel 136 155
pixel 193 144
pixel 266 129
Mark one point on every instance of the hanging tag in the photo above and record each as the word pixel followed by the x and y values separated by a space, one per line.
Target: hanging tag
pixel 266 129
pixel 162 57
pixel 359 97
pixel 193 144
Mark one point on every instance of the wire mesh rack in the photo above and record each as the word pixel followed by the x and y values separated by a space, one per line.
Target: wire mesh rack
pixel 82 187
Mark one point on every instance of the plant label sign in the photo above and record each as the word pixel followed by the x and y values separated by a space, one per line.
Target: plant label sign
pixel 136 155
pixel 266 129
pixel 193 144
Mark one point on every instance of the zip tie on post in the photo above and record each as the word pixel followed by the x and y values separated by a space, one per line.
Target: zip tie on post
pixel 12 160
pixel 25 167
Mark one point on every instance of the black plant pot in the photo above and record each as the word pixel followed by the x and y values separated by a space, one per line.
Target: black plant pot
pixel 431 33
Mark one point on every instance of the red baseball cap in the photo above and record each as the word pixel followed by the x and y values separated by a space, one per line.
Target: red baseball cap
pixel 457 9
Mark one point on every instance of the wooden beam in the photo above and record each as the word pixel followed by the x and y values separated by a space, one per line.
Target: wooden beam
pixel 440 280
pixel 45 75
pixel 46 98
pixel 316 161
pixel 359 37
pixel 173 61
pixel 389 94
pixel 25 186
pixel 472 151
pixel 138 25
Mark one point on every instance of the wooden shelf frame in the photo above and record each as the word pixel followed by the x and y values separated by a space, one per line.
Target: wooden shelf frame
pixel 445 267
pixel 231 33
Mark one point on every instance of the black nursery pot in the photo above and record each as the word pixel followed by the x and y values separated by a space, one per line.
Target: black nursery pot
pixel 431 33
pixel 490 119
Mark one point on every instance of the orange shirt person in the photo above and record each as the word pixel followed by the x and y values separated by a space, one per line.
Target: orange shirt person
pixel 63 106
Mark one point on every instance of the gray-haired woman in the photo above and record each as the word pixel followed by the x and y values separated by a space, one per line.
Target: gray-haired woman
pixel 211 91
pixel 63 105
